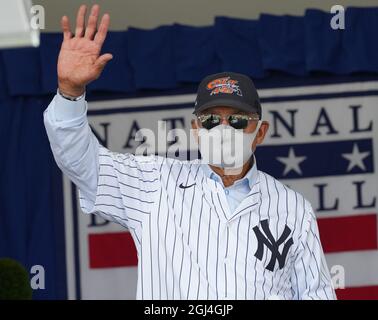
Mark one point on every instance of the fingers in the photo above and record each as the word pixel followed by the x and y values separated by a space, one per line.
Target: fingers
pixel 92 22
pixel 66 28
pixel 80 21
pixel 90 31
pixel 102 29
pixel 103 60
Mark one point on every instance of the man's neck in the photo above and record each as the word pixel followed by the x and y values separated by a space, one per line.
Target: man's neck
pixel 227 176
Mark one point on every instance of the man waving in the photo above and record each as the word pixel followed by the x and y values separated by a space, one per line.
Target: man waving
pixel 216 228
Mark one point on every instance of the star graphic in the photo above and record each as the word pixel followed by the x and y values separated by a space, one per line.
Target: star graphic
pixel 356 158
pixel 292 162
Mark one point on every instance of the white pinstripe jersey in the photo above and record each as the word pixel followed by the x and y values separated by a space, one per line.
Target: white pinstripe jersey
pixel 190 245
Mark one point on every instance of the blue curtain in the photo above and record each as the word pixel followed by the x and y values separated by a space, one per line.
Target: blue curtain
pixel 31 215
pixel 168 56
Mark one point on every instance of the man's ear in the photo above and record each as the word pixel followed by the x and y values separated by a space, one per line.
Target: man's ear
pixel 261 133
pixel 193 122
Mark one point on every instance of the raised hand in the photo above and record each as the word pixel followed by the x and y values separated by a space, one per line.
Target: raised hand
pixel 79 60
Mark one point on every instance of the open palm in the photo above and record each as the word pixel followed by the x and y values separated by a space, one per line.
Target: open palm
pixel 79 60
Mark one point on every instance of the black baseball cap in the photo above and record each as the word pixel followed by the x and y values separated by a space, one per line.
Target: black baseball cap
pixel 228 89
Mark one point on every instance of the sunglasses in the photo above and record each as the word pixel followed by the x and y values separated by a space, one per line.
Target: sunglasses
pixel 237 121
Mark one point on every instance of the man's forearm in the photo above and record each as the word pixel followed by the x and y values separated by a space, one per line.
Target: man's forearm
pixel 74 146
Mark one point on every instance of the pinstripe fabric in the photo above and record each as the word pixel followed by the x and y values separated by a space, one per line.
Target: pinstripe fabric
pixel 191 249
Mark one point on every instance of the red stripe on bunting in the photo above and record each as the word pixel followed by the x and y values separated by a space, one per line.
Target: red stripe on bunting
pixel 358 293
pixel 348 233
pixel 109 250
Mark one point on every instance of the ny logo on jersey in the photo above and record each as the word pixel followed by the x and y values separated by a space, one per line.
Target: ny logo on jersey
pixel 269 241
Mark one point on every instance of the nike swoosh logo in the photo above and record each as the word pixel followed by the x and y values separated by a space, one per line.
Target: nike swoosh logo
pixel 185 187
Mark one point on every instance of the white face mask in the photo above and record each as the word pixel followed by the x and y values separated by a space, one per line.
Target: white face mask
pixel 226 147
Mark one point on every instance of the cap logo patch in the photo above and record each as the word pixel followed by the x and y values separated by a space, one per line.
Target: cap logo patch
pixel 224 85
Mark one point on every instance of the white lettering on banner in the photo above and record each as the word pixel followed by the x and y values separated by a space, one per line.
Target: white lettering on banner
pixel 322 123
pixel 322 147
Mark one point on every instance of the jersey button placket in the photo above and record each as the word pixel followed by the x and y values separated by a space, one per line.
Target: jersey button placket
pixel 226 259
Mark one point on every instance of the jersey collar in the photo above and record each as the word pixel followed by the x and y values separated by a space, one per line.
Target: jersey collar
pixel 250 177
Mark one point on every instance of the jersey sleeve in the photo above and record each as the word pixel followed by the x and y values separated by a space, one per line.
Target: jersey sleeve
pixel 118 187
pixel 126 188
pixel 311 279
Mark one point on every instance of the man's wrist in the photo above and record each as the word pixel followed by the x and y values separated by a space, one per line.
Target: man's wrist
pixel 71 97
pixel 69 91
